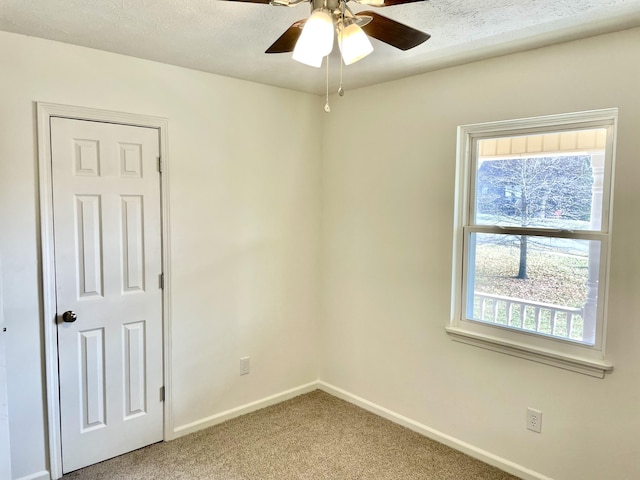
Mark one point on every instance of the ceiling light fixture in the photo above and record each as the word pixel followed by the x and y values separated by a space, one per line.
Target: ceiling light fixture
pixel 311 40
pixel 353 42
pixel 316 39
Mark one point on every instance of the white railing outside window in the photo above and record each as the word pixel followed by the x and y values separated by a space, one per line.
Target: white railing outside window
pixel 543 318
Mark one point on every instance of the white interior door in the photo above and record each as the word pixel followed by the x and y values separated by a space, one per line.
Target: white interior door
pixel 5 449
pixel 107 235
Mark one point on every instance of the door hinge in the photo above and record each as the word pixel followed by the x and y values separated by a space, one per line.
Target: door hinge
pixel 160 164
pixel 162 394
pixel 161 281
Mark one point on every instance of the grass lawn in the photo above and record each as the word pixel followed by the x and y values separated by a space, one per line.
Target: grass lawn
pixel 553 277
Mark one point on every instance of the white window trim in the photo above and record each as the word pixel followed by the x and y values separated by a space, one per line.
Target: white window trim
pixel 589 360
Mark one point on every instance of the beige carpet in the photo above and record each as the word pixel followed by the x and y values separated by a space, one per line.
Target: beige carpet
pixel 314 436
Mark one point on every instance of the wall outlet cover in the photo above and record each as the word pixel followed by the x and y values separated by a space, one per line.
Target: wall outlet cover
pixel 245 365
pixel 534 420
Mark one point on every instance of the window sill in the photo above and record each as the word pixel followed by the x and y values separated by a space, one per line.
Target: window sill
pixel 594 368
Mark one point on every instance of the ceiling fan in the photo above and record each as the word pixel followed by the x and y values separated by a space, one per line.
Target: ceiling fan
pixel 311 39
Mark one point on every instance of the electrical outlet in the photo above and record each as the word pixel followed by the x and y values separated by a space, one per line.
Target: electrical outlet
pixel 534 420
pixel 245 365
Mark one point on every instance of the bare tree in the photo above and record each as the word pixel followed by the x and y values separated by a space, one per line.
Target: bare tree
pixel 534 192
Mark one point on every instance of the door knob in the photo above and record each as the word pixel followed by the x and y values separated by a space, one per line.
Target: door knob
pixel 69 317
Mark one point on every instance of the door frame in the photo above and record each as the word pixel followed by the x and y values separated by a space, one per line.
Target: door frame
pixel 44 112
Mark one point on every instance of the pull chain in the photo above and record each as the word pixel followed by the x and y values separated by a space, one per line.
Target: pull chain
pixel 340 89
pixel 327 108
pixel 342 7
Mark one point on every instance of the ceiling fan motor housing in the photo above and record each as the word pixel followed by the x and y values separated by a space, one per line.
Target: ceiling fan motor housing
pixel 331 5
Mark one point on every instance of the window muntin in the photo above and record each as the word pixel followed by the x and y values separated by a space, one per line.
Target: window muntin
pixel 567 219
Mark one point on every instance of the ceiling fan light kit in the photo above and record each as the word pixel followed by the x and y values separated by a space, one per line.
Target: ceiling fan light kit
pixel 312 39
pixel 327 17
pixel 316 39
pixel 353 42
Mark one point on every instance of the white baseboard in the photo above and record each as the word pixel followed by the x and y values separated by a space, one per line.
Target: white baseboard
pixel 43 475
pixel 242 409
pixel 472 451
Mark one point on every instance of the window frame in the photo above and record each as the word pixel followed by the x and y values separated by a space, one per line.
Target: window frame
pixel 578 357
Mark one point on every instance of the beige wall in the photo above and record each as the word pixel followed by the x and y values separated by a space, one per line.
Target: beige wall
pixel 244 223
pixel 388 203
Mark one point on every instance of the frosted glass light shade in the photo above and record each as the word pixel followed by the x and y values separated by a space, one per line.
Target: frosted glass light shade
pixel 354 44
pixel 316 39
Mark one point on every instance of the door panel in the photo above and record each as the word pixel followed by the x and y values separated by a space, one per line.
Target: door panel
pixel 134 369
pixel 92 386
pixel 89 245
pixel 132 244
pixel 107 235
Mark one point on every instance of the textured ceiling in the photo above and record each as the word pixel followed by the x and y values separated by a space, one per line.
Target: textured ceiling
pixel 229 38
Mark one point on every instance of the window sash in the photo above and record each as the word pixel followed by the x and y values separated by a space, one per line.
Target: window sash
pixel 471 142
pixel 467 269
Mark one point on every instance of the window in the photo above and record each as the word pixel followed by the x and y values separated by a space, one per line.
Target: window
pixel 532 238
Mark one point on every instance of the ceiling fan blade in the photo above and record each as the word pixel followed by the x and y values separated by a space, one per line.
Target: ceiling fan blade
pixel 393 33
pixel 388 3
pixel 288 39
pixel 252 1
pixel 385 3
